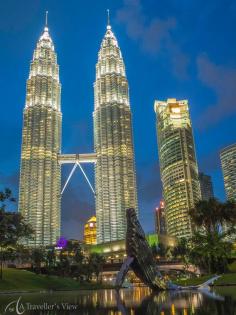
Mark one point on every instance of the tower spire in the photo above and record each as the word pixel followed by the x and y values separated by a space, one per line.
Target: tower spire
pixel 108 19
pixel 46 19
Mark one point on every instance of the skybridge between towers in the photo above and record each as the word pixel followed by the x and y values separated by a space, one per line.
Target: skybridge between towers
pixel 77 160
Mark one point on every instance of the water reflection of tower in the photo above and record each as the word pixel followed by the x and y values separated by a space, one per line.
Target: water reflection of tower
pixel 160 225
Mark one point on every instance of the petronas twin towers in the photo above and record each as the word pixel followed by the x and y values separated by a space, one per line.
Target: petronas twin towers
pixel 114 170
pixel 40 180
pixel 41 158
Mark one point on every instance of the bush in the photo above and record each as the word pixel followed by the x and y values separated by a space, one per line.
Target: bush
pixel 232 267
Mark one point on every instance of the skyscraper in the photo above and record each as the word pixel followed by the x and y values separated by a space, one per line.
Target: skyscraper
pixel 178 165
pixel 114 171
pixel 206 186
pixel 90 231
pixel 160 218
pixel 40 180
pixel 228 163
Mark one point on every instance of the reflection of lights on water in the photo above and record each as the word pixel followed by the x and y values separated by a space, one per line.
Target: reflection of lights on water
pixel 105 297
pixel 172 309
pixel 95 299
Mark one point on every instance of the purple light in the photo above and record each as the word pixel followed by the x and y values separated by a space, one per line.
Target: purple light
pixel 62 242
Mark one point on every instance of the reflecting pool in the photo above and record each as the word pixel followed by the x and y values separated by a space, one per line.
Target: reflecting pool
pixel 135 301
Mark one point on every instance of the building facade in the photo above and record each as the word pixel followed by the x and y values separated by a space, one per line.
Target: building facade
pixel 90 231
pixel 228 163
pixel 206 186
pixel 115 176
pixel 160 219
pixel 178 164
pixel 40 179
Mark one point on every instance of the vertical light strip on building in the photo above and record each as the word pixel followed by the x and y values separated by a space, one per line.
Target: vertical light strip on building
pixel 114 171
pixel 178 165
pixel 228 163
pixel 39 195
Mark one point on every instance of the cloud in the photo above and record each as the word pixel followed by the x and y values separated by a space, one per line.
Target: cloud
pixel 222 80
pixel 154 36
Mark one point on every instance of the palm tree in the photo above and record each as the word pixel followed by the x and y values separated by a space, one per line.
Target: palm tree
pixel 210 247
pixel 210 251
pixel 209 214
pixel 96 261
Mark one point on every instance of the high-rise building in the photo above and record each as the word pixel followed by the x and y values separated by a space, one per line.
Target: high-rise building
pixel 40 180
pixel 178 165
pixel 115 176
pixel 228 163
pixel 90 231
pixel 206 186
pixel 160 218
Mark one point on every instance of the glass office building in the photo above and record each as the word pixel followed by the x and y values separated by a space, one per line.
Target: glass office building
pixel 228 163
pixel 178 164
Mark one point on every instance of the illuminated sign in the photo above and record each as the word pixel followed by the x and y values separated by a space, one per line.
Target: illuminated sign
pixel 62 242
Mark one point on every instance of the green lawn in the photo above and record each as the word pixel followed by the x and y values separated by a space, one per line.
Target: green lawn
pixel 193 281
pixel 226 279
pixel 21 280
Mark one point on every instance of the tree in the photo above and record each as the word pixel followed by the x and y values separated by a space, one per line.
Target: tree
pixel 64 264
pixel 181 249
pixel 23 253
pixel 12 226
pixel 154 249
pixel 210 251
pixel 209 214
pixel 74 251
pixel 162 250
pixel 96 262
pixel 210 246
pixel 38 256
pixel 50 259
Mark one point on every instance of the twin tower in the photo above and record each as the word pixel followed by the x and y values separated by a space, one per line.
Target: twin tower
pixel 41 158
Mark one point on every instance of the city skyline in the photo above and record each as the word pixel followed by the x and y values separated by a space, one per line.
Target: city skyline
pixel 80 121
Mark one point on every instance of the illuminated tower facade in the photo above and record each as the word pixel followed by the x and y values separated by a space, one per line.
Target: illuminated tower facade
pixel 178 164
pixel 160 219
pixel 90 231
pixel 228 163
pixel 39 195
pixel 114 171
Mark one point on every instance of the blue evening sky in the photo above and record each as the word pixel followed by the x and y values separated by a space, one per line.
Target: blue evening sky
pixel 182 49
